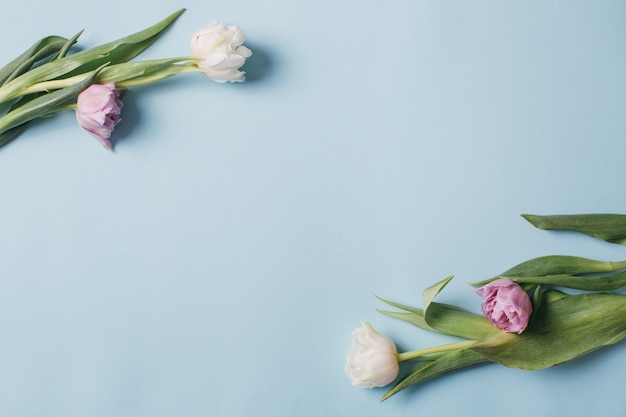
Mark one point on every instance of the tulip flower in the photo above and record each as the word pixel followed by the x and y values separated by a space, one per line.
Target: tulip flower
pixel 506 305
pixel 98 111
pixel 220 52
pixel 372 359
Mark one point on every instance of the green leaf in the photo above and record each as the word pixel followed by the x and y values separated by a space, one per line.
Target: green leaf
pixel 412 318
pixel 115 52
pixel 123 49
pixel 608 227
pixel 14 132
pixel 42 49
pixel 431 292
pixel 44 105
pixel 449 362
pixel 561 264
pixel 413 315
pixel 585 283
pixel 402 306
pixel 9 135
pixel 131 70
pixel 66 47
pixel 569 326
pixel 452 320
pixel 443 318
pixel 555 265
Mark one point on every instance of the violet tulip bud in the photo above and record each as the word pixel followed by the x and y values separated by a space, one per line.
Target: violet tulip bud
pixel 506 305
pixel 372 359
pixel 220 52
pixel 98 111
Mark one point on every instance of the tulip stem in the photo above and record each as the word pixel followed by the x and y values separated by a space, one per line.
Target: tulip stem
pixel 437 349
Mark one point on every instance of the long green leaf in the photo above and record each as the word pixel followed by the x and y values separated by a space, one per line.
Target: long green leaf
pixel 449 362
pixel 66 47
pixel 452 320
pixel 557 265
pixel 442 318
pixel 115 52
pixel 609 282
pixel 131 70
pixel 10 134
pixel 402 306
pixel 123 49
pixel 413 318
pixel 431 292
pixel 44 105
pixel 608 227
pixel 40 50
pixel 14 132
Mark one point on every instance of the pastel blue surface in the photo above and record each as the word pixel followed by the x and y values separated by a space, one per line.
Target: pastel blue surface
pixel 216 262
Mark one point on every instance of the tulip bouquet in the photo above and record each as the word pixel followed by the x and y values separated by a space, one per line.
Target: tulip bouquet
pixel 48 78
pixel 540 313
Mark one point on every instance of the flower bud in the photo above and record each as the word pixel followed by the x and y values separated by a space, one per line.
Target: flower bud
pixel 506 305
pixel 98 111
pixel 372 359
pixel 220 52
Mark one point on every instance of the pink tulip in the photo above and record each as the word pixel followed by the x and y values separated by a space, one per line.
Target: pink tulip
pixel 98 111
pixel 506 305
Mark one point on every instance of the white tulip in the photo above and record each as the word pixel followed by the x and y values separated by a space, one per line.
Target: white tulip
pixel 220 52
pixel 372 359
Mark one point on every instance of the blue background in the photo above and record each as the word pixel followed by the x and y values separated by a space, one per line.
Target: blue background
pixel 216 262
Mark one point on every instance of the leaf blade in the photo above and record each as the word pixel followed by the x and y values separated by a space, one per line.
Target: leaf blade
pixel 605 226
pixel 39 50
pixel 453 361
pixel 43 105
pixel 111 53
pixel 556 265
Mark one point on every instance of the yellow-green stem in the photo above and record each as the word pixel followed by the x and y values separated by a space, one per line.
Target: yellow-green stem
pixel 174 70
pixel 615 266
pixel 47 86
pixel 437 349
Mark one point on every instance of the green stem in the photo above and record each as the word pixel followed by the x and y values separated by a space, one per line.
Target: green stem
pixel 158 76
pixel 70 106
pixel 617 265
pixel 122 79
pixel 47 86
pixel 437 349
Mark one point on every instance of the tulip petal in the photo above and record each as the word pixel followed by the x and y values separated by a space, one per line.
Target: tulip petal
pixel 219 52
